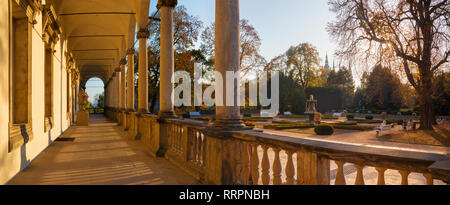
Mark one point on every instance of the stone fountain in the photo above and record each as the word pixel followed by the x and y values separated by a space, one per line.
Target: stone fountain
pixel 311 109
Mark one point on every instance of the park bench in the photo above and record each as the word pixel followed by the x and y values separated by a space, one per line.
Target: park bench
pixel 265 113
pixel 384 127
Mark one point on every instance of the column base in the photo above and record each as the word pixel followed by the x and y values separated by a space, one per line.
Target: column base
pixel 167 115
pixel 143 111
pixel 128 111
pixel 229 125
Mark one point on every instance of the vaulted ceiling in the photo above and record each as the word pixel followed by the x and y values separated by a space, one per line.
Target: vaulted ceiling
pixel 99 32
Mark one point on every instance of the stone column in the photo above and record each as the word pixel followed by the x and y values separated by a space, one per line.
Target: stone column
pixel 114 90
pixel 143 35
pixel 167 58
pixel 227 59
pixel 123 95
pixel 117 91
pixel 130 81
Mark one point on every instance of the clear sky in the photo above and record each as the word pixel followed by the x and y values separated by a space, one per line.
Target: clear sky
pixel 280 24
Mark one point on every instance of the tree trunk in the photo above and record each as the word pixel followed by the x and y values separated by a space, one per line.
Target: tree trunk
pixel 427 117
pixel 152 104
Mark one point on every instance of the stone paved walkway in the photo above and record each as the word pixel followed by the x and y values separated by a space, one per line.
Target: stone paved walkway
pixel 99 155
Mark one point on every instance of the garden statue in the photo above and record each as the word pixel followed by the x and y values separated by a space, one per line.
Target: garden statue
pixel 83 114
pixel 83 100
pixel 311 109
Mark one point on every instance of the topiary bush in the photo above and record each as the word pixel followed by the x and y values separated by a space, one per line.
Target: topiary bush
pixel 324 130
pixel 369 117
pixel 350 117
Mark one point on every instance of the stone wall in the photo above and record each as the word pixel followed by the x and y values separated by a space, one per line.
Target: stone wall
pixel 13 161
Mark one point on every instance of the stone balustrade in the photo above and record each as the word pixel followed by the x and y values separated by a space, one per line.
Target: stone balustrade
pixel 251 157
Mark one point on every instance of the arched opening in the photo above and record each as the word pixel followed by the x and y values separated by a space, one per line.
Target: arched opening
pixel 95 88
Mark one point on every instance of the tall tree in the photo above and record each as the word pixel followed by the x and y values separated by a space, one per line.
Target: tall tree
pixel 384 90
pixel 303 62
pixel 250 44
pixel 412 33
pixel 100 100
pixel 441 96
pixel 343 79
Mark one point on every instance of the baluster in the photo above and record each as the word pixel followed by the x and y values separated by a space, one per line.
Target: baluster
pixel 173 130
pixel 194 145
pixel 180 139
pixel 359 174
pixel 265 166
pixel 190 144
pixel 381 172
pixel 405 175
pixel 255 164
pixel 429 178
pixel 245 163
pixel 204 150
pixel 276 167
pixel 197 147
pixel 169 137
pixel 340 176
pixel 300 179
pixel 290 168
pixel 237 162
pixel 200 147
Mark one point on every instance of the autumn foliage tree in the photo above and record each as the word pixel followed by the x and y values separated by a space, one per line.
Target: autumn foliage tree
pixel 383 90
pixel 186 33
pixel 250 44
pixel 412 34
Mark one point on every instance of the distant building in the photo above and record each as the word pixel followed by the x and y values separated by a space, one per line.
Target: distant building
pixel 327 65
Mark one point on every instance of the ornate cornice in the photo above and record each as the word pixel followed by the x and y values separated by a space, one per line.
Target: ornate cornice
pixel 31 8
pixel 50 26
pixel 166 3
pixel 131 51
pixel 143 33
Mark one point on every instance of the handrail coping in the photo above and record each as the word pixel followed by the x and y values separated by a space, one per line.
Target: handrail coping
pixel 441 170
pixel 371 156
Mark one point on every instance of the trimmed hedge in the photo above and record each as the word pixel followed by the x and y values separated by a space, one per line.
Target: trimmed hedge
pixel 324 130
pixel 369 117
pixel 294 116
pixel 288 126
pixel 350 117
pixel 258 119
pixel 247 115
pixel 329 118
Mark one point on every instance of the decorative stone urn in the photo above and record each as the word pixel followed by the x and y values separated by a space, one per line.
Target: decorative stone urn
pixel 83 114
pixel 311 109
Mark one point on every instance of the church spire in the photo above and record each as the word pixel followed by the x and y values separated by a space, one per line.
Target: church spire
pixel 327 66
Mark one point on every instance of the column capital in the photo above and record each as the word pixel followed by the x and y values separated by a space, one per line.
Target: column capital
pixel 123 61
pixel 166 3
pixel 131 51
pixel 143 33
